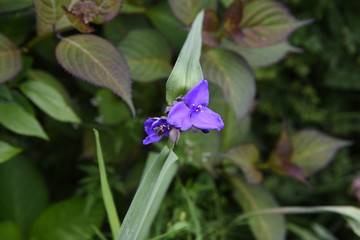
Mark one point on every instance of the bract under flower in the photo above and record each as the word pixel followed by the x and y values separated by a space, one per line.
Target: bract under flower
pixel 193 111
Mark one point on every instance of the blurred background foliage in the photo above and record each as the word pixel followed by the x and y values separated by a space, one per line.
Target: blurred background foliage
pixel 315 88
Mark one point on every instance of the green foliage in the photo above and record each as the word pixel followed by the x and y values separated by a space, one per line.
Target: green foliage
pixel 289 119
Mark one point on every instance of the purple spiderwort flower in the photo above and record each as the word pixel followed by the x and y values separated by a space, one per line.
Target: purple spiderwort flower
pixel 193 111
pixel 156 128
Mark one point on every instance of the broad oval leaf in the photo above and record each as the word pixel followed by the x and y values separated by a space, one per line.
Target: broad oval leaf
pixel 255 198
pixel 15 118
pixel 313 150
pixel 186 10
pixel 187 70
pixel 155 181
pixel 148 60
pixel 23 192
pixel 262 56
pixel 163 19
pixel 71 219
pixel 49 11
pixel 9 231
pixel 49 95
pixel 233 75
pixel 97 61
pixel 246 157
pixel 8 151
pixel 265 22
pixel 10 59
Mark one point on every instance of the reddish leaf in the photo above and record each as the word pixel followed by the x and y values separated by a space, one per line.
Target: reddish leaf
pixel 265 22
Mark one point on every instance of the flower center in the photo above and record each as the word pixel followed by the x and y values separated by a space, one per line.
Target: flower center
pixel 162 129
pixel 197 108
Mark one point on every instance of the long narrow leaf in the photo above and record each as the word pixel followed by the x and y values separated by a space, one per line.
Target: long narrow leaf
pixel 105 190
pixel 149 196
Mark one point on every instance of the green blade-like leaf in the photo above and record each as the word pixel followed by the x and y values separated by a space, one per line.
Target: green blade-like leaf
pixel 10 59
pixel 233 75
pixel 187 70
pixel 95 60
pixel 265 22
pixel 49 95
pixel 149 196
pixel 262 56
pixel 255 198
pixel 106 191
pixel 186 10
pixel 148 60
pixel 313 150
pixel 71 219
pixel 23 193
pixel 246 157
pixel 8 231
pixel 8 151
pixel 351 214
pixel 17 119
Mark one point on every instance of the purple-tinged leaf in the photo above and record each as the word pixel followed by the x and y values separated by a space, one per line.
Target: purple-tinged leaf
pixel 262 56
pixel 280 158
pixel 232 18
pixel 209 29
pixel 265 22
pixel 313 150
pixel 233 75
pixel 256 198
pixel 95 60
pixel 186 10
pixel 246 157
pixel 108 10
pixel 10 59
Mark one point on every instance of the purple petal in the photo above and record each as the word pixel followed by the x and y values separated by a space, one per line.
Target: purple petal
pixel 198 95
pixel 179 116
pixel 207 119
pixel 148 126
pixel 151 139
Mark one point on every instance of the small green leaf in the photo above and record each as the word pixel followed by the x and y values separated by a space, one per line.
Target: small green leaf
pixel 95 60
pixel 235 78
pixel 264 23
pixel 149 196
pixel 186 10
pixel 10 59
pixel 187 70
pixel 18 120
pixel 49 95
pixel 8 231
pixel 71 219
pixel 313 150
pixel 148 60
pixel 255 198
pixel 23 193
pixel 106 191
pixel 246 157
pixel 8 151
pixel 163 19
pixel 11 5
pixel 262 56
